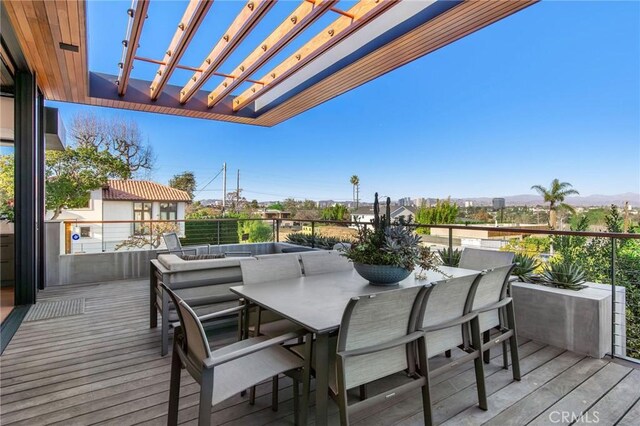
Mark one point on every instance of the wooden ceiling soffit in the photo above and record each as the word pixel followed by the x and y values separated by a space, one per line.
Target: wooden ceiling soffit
pixel 191 20
pixel 304 15
pixel 247 19
pixel 360 14
pixel 132 41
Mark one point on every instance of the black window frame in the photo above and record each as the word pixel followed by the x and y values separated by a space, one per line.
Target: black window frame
pixel 166 209
pixel 142 228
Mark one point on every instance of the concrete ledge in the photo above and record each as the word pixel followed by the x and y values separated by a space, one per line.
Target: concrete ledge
pixel 579 321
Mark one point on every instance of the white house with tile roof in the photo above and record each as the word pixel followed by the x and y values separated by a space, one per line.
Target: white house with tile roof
pixel 109 217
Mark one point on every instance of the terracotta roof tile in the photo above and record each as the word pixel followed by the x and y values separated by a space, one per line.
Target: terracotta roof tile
pixel 142 190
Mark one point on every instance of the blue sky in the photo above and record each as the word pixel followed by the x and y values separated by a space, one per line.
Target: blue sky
pixel 552 91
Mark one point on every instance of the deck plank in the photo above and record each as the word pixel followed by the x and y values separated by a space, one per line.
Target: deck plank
pixel 529 407
pixel 104 367
pixel 584 396
pixel 617 401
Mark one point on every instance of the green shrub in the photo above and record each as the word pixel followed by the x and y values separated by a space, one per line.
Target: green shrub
pixel 210 232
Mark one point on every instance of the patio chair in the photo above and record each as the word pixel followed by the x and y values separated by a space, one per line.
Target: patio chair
pixel 174 246
pixel 257 321
pixel 443 316
pixel 314 263
pixel 374 341
pixel 495 312
pixel 227 371
pixel 480 260
pixel 280 267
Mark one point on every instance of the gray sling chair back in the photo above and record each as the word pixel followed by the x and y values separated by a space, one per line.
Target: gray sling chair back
pixel 324 262
pixel 479 260
pixel 443 316
pixel 174 246
pixel 495 312
pixel 375 341
pixel 258 321
pixel 279 267
pixel 227 371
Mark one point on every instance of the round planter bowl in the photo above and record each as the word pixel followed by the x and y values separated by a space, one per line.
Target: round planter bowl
pixel 383 275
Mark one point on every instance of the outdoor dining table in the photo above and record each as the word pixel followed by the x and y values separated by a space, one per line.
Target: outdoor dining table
pixel 316 303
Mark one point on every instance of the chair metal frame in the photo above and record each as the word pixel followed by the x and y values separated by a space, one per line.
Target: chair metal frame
pixel 203 371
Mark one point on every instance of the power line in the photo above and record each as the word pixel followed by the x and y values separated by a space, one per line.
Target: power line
pixel 208 183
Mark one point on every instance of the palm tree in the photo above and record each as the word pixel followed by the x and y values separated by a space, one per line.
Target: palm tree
pixel 355 181
pixel 555 196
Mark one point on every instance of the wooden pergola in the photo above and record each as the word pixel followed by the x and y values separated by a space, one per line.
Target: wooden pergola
pixel 370 38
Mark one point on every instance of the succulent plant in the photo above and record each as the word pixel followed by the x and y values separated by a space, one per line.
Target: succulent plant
pixel 563 274
pixel 317 241
pixel 450 257
pixel 525 267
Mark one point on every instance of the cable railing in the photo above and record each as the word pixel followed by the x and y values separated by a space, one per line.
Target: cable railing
pixel 621 275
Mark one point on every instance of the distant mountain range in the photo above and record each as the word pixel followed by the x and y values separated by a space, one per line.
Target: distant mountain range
pixel 582 201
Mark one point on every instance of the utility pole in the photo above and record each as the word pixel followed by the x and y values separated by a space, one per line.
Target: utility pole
pixel 224 187
pixel 238 192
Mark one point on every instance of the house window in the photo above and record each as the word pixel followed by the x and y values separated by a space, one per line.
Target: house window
pixel 85 231
pixel 141 211
pixel 168 211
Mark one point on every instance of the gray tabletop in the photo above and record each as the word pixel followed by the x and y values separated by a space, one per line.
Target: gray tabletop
pixel 317 302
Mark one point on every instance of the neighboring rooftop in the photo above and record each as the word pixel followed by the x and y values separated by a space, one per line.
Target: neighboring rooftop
pixel 141 190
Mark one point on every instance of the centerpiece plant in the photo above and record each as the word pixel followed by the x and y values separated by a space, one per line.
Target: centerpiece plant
pixel 385 252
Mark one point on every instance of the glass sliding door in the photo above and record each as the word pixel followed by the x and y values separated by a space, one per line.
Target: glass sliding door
pixel 7 192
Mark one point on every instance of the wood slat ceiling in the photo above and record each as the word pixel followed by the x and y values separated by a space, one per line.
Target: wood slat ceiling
pixel 63 75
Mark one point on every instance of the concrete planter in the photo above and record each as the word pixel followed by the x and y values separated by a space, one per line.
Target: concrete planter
pixel 579 321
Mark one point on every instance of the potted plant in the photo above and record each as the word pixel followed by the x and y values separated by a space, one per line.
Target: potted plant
pixel 387 253
pixel 559 308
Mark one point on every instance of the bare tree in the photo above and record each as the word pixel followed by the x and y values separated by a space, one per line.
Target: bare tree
pixel 127 143
pixel 121 137
pixel 87 129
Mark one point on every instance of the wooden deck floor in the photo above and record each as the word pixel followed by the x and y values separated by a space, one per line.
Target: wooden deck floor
pixel 104 367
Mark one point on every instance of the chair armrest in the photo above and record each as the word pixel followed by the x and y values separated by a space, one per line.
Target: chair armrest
pixel 500 304
pixel 458 321
pixel 216 361
pixel 383 346
pixel 223 313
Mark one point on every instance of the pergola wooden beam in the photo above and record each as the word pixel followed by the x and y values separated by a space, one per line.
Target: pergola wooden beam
pixel 132 41
pixel 304 15
pixel 247 19
pixel 191 20
pixel 360 14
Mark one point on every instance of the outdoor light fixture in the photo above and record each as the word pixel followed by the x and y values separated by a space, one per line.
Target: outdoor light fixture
pixel 69 47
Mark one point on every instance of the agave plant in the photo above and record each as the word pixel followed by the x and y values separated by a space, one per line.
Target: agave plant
pixel 563 274
pixel 450 257
pixel 525 267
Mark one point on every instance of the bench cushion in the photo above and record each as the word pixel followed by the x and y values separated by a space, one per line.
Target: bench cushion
pixel 175 264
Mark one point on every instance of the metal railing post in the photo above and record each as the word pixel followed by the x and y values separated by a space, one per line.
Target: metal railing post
pixel 613 298
pixel 313 234
pixel 450 246
pixel 277 230
pixel 218 231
